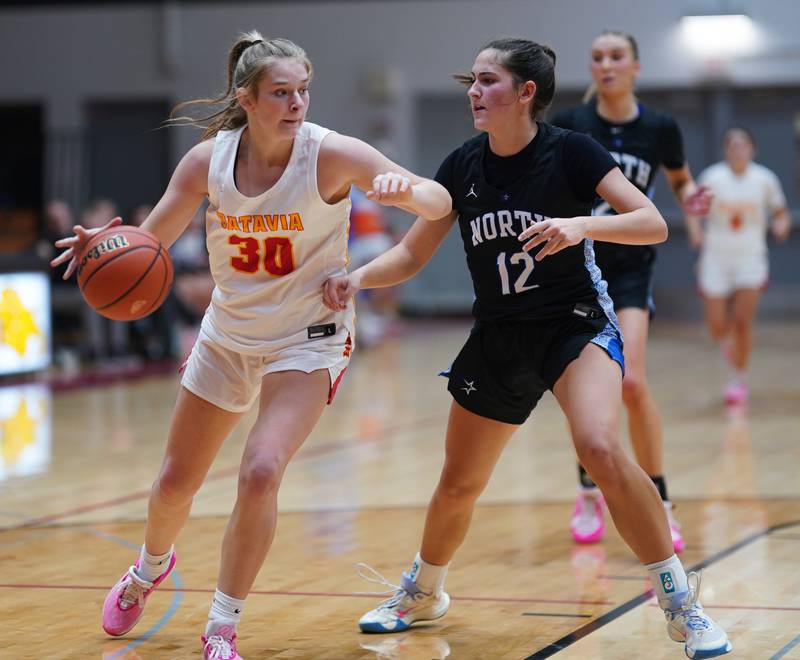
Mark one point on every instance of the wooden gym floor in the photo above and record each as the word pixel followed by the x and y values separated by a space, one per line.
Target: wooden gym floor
pixel 77 466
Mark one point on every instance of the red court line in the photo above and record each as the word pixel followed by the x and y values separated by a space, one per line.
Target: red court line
pixel 310 453
pixel 320 594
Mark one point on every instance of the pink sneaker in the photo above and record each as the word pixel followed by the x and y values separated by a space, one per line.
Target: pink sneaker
pixel 221 645
pixel 736 394
pixel 588 523
pixel 124 604
pixel 674 529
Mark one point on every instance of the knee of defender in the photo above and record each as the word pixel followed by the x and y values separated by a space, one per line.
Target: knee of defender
pixel 260 476
pixel 599 458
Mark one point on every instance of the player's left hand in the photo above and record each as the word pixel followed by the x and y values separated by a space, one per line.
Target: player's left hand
pixel 556 233
pixel 699 202
pixel 390 189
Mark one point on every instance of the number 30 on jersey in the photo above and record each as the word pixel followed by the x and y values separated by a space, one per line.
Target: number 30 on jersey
pixel 278 255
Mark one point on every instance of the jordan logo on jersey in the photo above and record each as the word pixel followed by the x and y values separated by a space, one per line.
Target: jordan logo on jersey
pixel 472 191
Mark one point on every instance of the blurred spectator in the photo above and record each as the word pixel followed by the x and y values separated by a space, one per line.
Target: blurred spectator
pixel 369 238
pixel 66 303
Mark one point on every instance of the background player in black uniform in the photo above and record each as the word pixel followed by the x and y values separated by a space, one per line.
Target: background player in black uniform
pixel 641 140
pixel 522 195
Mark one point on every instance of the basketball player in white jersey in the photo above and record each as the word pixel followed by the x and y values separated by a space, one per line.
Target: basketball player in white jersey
pixel 276 227
pixel 733 268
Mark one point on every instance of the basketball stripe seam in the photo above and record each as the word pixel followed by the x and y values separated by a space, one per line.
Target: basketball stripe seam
pixel 136 283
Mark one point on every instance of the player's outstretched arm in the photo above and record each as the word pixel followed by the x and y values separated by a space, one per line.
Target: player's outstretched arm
pixel 353 162
pixel 394 266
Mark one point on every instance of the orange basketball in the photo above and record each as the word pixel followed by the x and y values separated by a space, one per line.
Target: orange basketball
pixel 124 273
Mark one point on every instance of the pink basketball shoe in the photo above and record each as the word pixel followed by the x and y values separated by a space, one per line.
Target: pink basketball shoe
pixel 124 604
pixel 588 522
pixel 221 645
pixel 736 394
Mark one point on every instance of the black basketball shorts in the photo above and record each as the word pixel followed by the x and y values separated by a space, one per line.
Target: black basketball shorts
pixel 505 367
pixel 631 288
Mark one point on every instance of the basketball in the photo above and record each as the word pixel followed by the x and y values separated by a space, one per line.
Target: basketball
pixel 124 273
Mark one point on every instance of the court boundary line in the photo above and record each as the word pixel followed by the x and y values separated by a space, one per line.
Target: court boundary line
pixel 604 619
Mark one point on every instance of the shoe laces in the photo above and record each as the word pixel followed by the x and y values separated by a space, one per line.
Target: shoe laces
pixel 366 572
pixel 691 612
pixel 134 591
pixel 218 647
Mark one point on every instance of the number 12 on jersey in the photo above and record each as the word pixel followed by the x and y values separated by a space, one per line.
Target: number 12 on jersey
pixel 521 283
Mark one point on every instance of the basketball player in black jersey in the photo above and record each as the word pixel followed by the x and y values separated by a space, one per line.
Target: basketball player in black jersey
pixel 522 197
pixel 641 140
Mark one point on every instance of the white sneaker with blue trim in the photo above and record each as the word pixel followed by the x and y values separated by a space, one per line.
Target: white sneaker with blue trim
pixel 407 605
pixel 703 638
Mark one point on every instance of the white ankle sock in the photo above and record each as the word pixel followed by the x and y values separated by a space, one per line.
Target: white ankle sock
pixel 429 577
pixel 152 566
pixel 225 610
pixel 669 582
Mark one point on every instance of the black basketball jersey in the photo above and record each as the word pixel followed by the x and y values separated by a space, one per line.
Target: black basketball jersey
pixel 640 147
pixel 557 176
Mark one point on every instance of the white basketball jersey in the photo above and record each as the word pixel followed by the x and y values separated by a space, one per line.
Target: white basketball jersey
pixel 737 221
pixel 271 254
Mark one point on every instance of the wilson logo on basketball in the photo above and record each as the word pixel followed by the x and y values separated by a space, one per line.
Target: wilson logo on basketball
pixel 110 244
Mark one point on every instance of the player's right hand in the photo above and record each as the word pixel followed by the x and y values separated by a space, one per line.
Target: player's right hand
pixel 337 291
pixel 75 245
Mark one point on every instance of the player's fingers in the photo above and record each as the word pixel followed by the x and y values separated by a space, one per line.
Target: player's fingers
pixel 385 181
pixel 550 248
pixel 394 185
pixel 536 228
pixel 112 223
pixel 73 264
pixel 61 258
pixel 405 184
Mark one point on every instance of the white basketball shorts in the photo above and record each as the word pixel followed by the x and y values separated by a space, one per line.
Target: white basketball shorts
pixel 232 380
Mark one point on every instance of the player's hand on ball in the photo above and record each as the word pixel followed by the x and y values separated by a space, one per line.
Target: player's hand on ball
pixel 337 291
pixel 390 188
pixel 74 245
pixel 555 233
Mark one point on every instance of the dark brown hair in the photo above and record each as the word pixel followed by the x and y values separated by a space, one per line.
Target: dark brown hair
pixel 525 60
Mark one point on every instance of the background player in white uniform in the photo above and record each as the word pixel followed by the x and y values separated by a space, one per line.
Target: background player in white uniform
pixel 733 267
pixel 277 228
pixel 522 195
